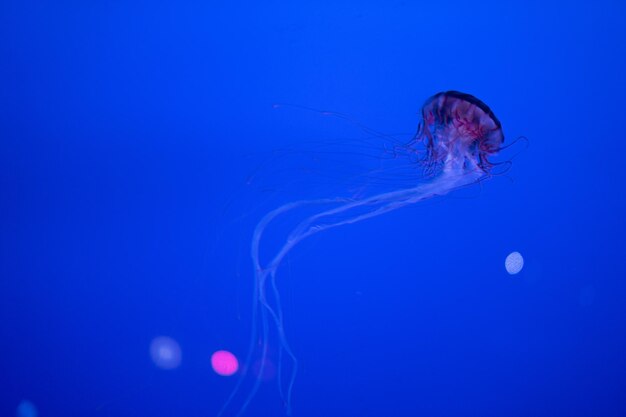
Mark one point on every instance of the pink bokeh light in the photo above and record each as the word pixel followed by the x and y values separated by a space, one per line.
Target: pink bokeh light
pixel 224 363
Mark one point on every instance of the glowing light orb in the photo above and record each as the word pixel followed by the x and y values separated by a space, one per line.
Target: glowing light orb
pixel 224 363
pixel 165 352
pixel 514 263
pixel 26 409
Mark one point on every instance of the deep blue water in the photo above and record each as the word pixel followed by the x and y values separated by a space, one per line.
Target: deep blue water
pixel 140 146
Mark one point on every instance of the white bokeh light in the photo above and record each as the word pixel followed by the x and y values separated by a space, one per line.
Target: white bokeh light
pixel 165 352
pixel 514 263
pixel 26 409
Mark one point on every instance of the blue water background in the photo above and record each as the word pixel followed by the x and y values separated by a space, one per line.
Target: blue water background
pixel 129 133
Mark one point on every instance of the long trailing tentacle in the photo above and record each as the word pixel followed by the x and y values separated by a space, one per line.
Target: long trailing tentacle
pixel 268 310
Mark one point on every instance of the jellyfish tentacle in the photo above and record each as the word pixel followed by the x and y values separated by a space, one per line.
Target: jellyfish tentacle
pixel 380 204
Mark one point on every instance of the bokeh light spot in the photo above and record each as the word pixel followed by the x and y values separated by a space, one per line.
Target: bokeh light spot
pixel 514 263
pixel 224 363
pixel 26 409
pixel 165 352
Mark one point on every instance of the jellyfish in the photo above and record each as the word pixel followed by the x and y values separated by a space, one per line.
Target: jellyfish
pixel 455 139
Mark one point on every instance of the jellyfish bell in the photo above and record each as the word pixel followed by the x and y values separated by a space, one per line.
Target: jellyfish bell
pixel 459 132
